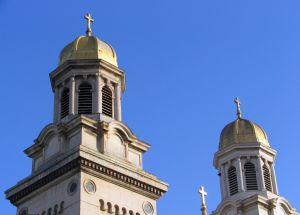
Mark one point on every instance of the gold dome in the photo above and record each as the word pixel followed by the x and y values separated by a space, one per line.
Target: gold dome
pixel 88 47
pixel 242 131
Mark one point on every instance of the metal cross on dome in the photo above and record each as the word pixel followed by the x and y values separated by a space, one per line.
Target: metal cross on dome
pixel 238 107
pixel 89 19
pixel 203 194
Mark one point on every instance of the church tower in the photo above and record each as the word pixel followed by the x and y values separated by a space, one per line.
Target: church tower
pixel 245 161
pixel 87 162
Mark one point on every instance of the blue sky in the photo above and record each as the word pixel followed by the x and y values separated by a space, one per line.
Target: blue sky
pixel 185 61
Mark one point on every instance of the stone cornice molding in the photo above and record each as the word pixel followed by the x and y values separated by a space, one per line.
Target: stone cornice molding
pixel 85 64
pixel 83 164
pixel 240 148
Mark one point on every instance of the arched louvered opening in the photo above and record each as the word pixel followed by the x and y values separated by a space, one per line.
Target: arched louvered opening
pixel 85 99
pixel 250 176
pixel 267 178
pixel 232 179
pixel 107 103
pixel 64 103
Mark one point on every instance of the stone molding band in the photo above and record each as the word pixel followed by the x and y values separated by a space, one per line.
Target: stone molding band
pixel 80 163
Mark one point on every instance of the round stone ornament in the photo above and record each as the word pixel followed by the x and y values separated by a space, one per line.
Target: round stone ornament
pixel 148 208
pixel 89 186
pixel 72 187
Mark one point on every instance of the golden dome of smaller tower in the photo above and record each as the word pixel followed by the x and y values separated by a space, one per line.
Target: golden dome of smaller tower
pixel 242 131
pixel 88 47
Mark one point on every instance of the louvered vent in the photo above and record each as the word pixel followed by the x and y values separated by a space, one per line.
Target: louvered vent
pixel 85 99
pixel 233 183
pixel 107 101
pixel 250 176
pixel 64 103
pixel 267 178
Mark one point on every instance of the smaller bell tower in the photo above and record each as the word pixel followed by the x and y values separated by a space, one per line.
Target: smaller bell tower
pixel 245 162
pixel 87 162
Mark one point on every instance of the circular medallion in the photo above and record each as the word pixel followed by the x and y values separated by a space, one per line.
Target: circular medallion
pixel 89 186
pixel 23 211
pixel 148 208
pixel 72 187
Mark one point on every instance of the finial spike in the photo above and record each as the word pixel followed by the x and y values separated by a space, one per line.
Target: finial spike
pixel 238 107
pixel 203 194
pixel 89 19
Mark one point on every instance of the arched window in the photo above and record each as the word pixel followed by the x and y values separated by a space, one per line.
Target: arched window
pixel 124 211
pixel 267 178
pixel 102 205
pixel 107 101
pixel 117 210
pixel 64 103
pixel 109 207
pixel 85 99
pixel 250 176
pixel 232 179
pixel 131 212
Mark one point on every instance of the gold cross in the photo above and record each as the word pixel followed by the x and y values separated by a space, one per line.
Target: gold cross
pixel 203 194
pixel 89 19
pixel 238 107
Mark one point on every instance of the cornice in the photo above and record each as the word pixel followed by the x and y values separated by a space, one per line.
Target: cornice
pixel 83 164
pixel 67 66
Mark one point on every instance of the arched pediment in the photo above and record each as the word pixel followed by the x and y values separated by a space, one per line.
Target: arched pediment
pixel 285 205
pixel 47 132
pixel 226 207
pixel 127 135
pixel 122 130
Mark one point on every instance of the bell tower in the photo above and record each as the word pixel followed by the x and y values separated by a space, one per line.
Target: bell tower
pixel 87 161
pixel 245 162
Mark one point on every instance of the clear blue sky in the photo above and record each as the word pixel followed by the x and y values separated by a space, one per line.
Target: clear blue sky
pixel 185 62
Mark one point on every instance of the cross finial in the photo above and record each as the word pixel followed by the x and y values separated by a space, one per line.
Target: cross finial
pixel 203 194
pixel 203 205
pixel 238 107
pixel 89 19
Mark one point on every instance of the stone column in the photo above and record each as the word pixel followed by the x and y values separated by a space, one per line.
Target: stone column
pixel 240 175
pixel 98 102
pixel 273 178
pixel 72 96
pixel 225 180
pixel 117 102
pixel 56 104
pixel 260 175
pixel 222 181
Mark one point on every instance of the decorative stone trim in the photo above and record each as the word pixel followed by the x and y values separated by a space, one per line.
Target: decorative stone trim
pixel 115 209
pixel 78 164
pixel 120 177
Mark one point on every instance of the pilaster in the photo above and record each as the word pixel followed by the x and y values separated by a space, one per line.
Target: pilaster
pixel 273 178
pixel 72 96
pixel 260 175
pixel 240 175
pixel 56 111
